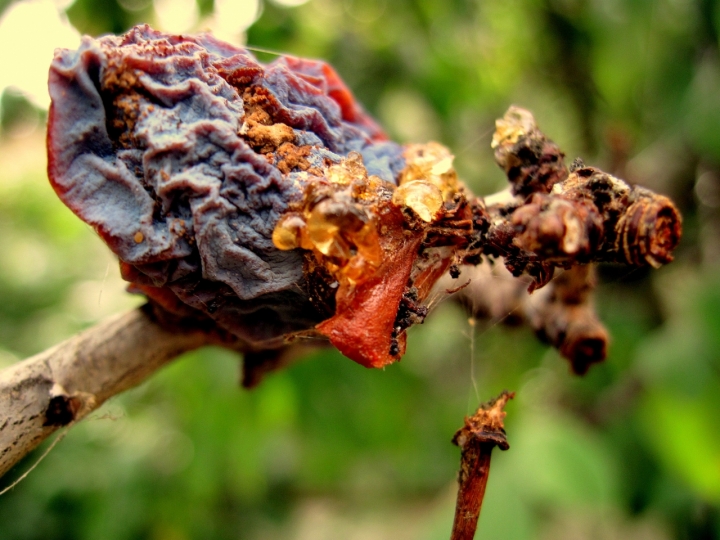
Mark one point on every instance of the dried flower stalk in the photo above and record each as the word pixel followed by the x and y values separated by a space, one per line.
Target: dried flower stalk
pixel 481 433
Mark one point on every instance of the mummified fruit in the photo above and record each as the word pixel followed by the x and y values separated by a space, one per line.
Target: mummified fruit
pixel 227 187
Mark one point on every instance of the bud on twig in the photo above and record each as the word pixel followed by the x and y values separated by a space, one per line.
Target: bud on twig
pixel 531 161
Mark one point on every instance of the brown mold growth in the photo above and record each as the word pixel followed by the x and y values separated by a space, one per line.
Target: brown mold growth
pixel 120 91
pixel 290 157
pixel 258 128
pixel 268 136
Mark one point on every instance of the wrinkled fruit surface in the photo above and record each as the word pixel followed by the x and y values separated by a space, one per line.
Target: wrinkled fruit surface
pixel 261 197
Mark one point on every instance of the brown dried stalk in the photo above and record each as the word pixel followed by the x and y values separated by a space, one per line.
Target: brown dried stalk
pixel 481 433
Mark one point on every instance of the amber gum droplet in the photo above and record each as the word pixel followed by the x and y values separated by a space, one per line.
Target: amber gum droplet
pixel 347 215
pixel 434 163
pixel 422 197
pixel 286 234
pixel 443 166
pixel 354 164
pixel 369 189
pixel 516 123
pixel 324 233
pixel 357 270
pixel 349 170
pixel 139 237
pixel 367 241
pixel 337 174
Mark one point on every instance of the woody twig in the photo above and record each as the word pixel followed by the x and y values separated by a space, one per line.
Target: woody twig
pixel 554 216
pixel 481 433
pixel 562 313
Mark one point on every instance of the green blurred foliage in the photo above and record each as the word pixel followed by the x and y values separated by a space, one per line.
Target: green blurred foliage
pixel 327 449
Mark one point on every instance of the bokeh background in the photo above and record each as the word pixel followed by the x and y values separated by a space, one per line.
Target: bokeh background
pixel 326 449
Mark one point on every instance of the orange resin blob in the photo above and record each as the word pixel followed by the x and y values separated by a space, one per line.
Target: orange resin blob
pixel 422 197
pixel 287 232
pixel 339 221
pixel 371 237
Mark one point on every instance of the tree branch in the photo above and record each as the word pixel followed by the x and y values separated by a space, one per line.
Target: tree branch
pixel 62 385
pixel 562 313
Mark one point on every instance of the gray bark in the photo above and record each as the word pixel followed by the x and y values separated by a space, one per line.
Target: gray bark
pixel 63 384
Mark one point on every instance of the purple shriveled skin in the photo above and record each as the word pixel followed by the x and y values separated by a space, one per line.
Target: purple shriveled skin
pixel 156 141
